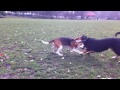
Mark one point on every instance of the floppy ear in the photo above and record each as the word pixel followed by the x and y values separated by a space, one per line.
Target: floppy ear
pixel 84 38
pixel 77 39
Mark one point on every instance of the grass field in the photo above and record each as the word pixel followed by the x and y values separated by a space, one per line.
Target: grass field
pixel 30 59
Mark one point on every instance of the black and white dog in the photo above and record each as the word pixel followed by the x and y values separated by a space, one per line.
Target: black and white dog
pixel 99 45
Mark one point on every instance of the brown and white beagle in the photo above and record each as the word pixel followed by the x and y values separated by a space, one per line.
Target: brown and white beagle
pixel 58 44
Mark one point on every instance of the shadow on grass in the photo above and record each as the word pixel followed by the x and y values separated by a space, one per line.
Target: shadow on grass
pixel 76 66
pixel 75 59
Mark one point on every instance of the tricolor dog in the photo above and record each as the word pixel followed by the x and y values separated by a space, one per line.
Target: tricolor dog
pixel 58 43
pixel 99 45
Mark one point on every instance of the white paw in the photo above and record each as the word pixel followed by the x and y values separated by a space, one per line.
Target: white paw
pixel 80 52
pixel 114 57
pixel 71 51
pixel 60 54
pixel 62 58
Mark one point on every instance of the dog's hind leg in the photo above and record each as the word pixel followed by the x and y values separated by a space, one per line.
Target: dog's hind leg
pixel 53 48
pixel 59 50
pixel 117 52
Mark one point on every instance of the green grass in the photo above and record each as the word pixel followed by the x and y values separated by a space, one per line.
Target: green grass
pixel 30 59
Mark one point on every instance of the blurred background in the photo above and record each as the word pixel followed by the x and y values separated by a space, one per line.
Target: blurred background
pixel 79 15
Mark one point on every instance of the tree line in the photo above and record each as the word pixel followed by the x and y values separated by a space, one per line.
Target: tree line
pixel 47 14
pixel 62 14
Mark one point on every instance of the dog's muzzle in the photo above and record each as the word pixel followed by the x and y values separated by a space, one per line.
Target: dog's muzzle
pixel 82 46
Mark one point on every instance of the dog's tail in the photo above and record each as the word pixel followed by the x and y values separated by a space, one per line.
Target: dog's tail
pixel 44 42
pixel 117 34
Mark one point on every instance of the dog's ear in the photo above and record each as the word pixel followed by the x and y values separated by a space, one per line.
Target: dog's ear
pixel 81 38
pixel 84 38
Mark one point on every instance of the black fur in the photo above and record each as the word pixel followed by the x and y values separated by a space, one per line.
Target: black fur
pixel 99 45
pixel 66 41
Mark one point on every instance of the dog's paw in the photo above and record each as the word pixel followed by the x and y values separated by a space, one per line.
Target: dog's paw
pixel 71 51
pixel 114 57
pixel 81 52
pixel 59 54
pixel 62 58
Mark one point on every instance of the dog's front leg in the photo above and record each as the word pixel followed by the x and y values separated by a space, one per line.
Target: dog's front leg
pixel 77 51
pixel 87 52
